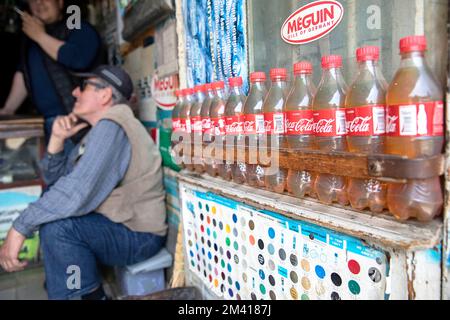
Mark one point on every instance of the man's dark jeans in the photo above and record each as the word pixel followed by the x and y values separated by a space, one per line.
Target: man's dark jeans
pixel 73 247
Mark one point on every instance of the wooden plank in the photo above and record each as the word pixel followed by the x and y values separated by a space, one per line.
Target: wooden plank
pixel 388 168
pixel 21 120
pixel 21 127
pixel 381 230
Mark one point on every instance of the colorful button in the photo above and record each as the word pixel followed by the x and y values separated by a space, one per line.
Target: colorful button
pixel 354 267
pixel 320 271
pixel 354 287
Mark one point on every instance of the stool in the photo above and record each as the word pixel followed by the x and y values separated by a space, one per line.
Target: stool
pixel 145 277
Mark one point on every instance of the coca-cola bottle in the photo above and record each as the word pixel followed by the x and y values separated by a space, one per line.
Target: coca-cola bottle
pixel 275 178
pixel 176 126
pixel 330 127
pixel 254 127
pixel 366 128
pixel 217 115
pixel 300 126
pixel 197 129
pixel 234 126
pixel 415 117
pixel 186 127
pixel 209 164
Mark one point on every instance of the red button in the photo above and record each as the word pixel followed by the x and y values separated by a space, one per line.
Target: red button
pixel 354 267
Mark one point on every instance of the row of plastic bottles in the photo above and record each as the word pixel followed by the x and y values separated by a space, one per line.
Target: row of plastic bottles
pixel 404 118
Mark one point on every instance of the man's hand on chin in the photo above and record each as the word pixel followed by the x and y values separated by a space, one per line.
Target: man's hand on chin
pixel 9 252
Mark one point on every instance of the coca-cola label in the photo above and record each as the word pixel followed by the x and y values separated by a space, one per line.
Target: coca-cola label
pixel 366 121
pixel 196 123
pixel 186 126
pixel 415 120
pixel 234 125
pixel 330 123
pixel 254 124
pixel 274 122
pixel 206 124
pixel 176 125
pixel 312 22
pixel 218 126
pixel 300 122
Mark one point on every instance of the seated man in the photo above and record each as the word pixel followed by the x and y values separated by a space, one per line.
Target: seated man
pixel 107 201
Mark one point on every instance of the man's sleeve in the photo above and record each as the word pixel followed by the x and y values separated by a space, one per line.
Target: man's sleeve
pixel 53 167
pixel 98 172
pixel 80 49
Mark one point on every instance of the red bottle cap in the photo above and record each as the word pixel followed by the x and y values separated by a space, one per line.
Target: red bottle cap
pixel 218 85
pixel 368 53
pixel 278 73
pixel 188 92
pixel 208 86
pixel 199 88
pixel 257 77
pixel 235 82
pixel 333 61
pixel 413 43
pixel 303 67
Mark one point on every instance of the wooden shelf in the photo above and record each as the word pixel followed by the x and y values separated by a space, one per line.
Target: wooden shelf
pixel 21 127
pixel 381 230
pixel 388 168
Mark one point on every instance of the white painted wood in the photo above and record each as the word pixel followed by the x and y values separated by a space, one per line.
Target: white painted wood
pixel 181 35
pixel 398 280
pixel 424 270
pixel 380 230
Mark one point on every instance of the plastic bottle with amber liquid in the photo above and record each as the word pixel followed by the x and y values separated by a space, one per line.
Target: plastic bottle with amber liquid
pixel 300 126
pixel 234 126
pixel 197 129
pixel 254 128
pixel 176 127
pixel 186 127
pixel 330 127
pixel 366 126
pixel 209 165
pixel 217 115
pixel 274 117
pixel 415 129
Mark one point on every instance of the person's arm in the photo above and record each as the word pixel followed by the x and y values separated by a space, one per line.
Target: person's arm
pixel 55 160
pixel 97 174
pixel 76 53
pixel 16 96
pixel 35 30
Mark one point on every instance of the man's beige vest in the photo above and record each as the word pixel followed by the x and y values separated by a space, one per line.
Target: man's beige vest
pixel 139 200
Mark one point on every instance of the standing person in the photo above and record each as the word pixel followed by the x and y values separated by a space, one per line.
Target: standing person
pixel 107 203
pixel 50 53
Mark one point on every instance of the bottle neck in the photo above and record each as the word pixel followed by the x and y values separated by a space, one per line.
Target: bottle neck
pixel 279 83
pixel 210 94
pixel 333 75
pixel 236 90
pixel 189 99
pixel 369 66
pixel 257 86
pixel 220 93
pixel 303 79
pixel 200 96
pixel 413 59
